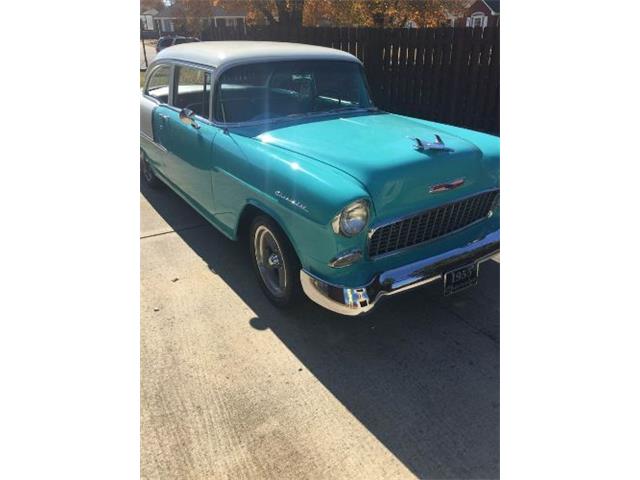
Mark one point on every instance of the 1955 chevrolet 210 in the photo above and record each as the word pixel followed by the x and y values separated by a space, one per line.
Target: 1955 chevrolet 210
pixel 281 143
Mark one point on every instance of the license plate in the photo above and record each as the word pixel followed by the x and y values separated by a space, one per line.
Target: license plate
pixel 460 278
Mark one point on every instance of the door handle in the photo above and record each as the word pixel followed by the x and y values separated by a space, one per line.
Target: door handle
pixel 163 120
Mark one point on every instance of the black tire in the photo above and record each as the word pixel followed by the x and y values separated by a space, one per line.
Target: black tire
pixel 287 276
pixel 147 172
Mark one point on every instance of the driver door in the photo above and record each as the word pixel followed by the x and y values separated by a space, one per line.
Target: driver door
pixel 189 144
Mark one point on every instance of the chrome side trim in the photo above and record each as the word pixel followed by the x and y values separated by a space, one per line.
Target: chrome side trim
pixel 354 301
pixel 150 140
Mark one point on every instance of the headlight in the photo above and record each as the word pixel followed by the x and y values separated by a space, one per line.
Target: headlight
pixel 352 219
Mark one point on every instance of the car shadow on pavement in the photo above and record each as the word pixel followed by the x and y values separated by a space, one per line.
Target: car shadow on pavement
pixel 421 373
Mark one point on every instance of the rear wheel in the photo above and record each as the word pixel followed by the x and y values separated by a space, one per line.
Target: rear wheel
pixel 275 262
pixel 147 173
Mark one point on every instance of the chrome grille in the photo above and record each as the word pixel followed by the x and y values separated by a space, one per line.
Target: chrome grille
pixel 430 224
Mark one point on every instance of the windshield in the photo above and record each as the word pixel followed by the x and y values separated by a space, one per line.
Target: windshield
pixel 267 91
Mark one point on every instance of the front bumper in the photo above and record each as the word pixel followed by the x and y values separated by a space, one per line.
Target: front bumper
pixel 361 300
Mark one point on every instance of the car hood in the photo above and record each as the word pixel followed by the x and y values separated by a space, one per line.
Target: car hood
pixel 379 151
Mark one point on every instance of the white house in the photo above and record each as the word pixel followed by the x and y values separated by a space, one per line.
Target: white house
pixel 167 19
pixel 146 19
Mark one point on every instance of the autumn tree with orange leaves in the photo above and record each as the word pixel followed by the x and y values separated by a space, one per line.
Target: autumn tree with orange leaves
pixel 380 13
pixel 361 13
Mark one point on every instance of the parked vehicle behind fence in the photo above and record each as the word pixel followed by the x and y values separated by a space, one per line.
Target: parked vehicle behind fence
pixel 170 40
pixel 282 145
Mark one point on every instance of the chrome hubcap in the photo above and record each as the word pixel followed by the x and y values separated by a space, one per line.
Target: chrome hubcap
pixel 271 266
pixel 274 260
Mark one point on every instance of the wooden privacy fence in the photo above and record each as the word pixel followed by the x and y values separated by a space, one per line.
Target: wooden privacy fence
pixel 448 75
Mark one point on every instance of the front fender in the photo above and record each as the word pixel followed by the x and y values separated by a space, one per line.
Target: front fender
pixel 301 194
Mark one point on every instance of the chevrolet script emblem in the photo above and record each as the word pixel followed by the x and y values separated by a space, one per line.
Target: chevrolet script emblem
pixel 443 187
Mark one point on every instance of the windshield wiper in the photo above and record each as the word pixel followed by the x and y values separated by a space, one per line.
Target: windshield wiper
pixel 296 116
pixel 349 109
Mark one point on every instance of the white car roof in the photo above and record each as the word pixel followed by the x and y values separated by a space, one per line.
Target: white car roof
pixel 219 54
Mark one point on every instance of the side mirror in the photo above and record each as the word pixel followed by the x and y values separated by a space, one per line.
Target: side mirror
pixel 186 117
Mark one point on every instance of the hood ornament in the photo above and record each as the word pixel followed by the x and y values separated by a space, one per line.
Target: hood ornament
pixel 424 146
pixel 443 187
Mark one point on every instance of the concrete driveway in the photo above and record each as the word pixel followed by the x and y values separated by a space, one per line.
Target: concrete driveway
pixel 231 387
pixel 150 47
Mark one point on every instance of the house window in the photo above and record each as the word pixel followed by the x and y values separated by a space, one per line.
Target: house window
pixel 167 25
pixel 477 19
pixel 229 21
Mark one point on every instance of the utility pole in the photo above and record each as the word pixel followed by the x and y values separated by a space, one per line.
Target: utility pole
pixel 144 48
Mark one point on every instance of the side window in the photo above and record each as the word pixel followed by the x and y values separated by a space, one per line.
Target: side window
pixel 158 86
pixel 192 91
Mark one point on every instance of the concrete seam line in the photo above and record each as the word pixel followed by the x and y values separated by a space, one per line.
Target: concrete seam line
pixel 173 231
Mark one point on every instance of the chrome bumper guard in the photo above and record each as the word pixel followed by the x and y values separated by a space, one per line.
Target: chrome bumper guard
pixel 361 300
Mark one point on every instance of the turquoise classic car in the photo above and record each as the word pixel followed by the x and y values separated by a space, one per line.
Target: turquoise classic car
pixel 280 144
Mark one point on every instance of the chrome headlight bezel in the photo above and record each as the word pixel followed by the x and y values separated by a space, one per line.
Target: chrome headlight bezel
pixel 496 202
pixel 495 205
pixel 357 211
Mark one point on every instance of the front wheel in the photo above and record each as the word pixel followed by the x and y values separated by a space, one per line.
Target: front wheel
pixel 275 262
